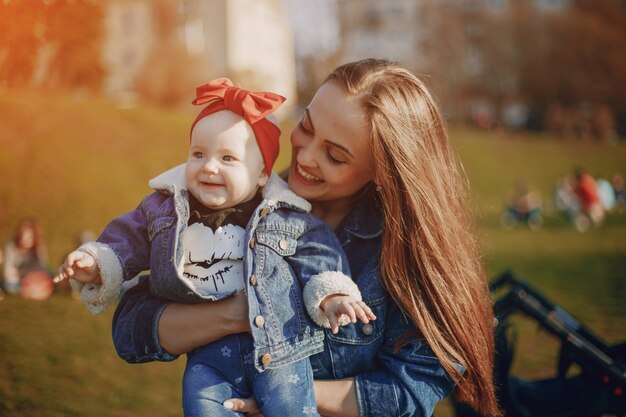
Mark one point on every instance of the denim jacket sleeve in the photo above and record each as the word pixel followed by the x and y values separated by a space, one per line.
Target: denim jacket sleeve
pixel 318 250
pixel 135 325
pixel 411 382
pixel 122 251
pixel 322 268
pixel 129 236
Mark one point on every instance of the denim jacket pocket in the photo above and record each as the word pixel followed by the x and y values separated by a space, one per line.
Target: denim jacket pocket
pixel 281 242
pixel 353 349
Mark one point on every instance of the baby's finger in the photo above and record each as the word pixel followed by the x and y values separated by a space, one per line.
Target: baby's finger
pixel 361 314
pixel 73 256
pixel 348 310
pixel 85 262
pixel 63 273
pixel 368 311
pixel 334 324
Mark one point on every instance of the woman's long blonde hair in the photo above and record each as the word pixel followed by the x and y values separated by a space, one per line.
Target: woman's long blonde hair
pixel 429 263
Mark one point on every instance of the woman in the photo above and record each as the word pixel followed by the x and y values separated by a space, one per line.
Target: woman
pixel 372 155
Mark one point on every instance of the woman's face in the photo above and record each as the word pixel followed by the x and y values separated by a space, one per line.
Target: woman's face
pixel 331 157
pixel 27 237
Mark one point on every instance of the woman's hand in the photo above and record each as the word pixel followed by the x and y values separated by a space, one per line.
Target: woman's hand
pixel 247 406
pixel 182 327
pixel 334 398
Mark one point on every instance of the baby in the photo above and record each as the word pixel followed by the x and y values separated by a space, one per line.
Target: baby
pixel 223 223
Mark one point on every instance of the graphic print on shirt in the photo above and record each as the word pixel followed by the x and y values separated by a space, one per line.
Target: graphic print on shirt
pixel 213 259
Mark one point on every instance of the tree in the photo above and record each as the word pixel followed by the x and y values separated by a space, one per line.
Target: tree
pixel 567 58
pixel 576 58
pixel 22 24
pixel 74 30
pixel 57 40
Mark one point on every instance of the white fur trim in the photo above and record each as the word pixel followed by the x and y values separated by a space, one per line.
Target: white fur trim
pixel 98 297
pixel 170 179
pixel 277 189
pixel 321 286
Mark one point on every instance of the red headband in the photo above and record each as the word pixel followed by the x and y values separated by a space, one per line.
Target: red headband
pixel 253 107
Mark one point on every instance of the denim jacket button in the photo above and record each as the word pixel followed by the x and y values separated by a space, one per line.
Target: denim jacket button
pixel 283 244
pixel 253 280
pixel 368 329
pixel 252 243
pixel 266 359
pixel 265 212
pixel 259 321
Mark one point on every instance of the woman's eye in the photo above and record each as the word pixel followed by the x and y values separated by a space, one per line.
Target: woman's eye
pixel 301 127
pixel 332 159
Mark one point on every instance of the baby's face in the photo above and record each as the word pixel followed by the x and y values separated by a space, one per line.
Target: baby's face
pixel 225 166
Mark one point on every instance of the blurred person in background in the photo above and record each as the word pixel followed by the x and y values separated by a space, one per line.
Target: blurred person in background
pixel 523 206
pixel 617 182
pixel 565 199
pixel 25 268
pixel 591 209
pixel 606 194
pixel 371 153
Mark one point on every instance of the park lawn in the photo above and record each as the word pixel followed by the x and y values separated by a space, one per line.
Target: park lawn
pixel 74 163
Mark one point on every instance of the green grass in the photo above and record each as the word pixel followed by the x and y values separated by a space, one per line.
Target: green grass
pixel 58 360
pixel 75 163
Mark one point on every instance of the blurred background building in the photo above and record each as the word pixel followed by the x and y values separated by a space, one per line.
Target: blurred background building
pixel 162 49
pixel 553 65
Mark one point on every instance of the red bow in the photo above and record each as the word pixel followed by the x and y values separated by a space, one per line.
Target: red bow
pixel 250 105
pixel 220 95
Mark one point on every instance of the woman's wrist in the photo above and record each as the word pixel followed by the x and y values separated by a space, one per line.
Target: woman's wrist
pixel 336 397
pixel 183 327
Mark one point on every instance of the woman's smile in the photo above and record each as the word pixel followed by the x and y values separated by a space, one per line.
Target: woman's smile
pixel 306 177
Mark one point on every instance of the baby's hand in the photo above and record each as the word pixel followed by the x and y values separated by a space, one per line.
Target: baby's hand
pixel 79 266
pixel 338 304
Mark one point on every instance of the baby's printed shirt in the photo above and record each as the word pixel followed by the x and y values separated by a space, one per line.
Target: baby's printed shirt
pixel 213 245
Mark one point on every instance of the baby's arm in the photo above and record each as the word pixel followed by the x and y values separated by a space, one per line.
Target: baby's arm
pixel 80 266
pixel 336 305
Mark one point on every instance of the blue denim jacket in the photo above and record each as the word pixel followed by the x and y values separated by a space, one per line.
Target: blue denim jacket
pixel 286 247
pixel 407 382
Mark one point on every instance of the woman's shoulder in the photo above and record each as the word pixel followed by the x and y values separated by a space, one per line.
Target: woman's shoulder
pixel 365 220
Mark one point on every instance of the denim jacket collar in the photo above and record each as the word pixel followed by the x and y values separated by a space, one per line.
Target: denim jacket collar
pixel 366 219
pixel 276 191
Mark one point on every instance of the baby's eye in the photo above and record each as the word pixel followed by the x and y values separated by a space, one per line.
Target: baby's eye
pixel 197 155
pixel 228 158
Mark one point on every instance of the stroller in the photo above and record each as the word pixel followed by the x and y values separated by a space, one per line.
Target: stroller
pixel 598 389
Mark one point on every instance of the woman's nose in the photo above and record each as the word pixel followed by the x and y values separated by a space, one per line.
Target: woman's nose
pixel 307 155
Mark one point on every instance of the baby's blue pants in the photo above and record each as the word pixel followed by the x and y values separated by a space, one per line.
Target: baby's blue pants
pixel 225 369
